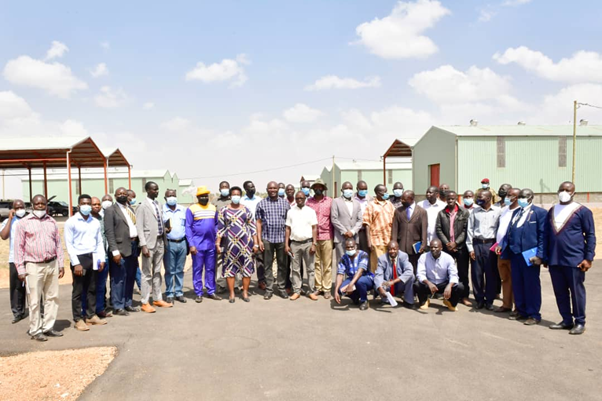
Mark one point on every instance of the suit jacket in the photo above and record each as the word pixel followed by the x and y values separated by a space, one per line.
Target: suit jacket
pixel 117 231
pixel 528 236
pixel 384 269
pixel 574 242
pixel 407 233
pixel 343 221
pixel 460 223
pixel 147 225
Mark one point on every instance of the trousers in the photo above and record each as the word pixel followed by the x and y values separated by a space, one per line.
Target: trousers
pixel 270 250
pixel 484 274
pixel 461 257
pixel 526 287
pixel 302 257
pixel 174 261
pixel 569 290
pixel 84 287
pixel 42 282
pixel 504 267
pixel 424 292
pixel 151 273
pixel 204 260
pixel 17 292
pixel 323 266
pixel 123 276
pixel 377 252
pixel 362 286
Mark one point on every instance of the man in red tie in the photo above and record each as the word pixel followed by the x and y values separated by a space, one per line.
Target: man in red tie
pixel 394 273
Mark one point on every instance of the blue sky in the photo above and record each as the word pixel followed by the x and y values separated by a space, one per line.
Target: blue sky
pixel 400 67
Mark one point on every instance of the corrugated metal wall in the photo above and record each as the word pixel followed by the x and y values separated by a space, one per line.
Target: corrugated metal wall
pixel 435 147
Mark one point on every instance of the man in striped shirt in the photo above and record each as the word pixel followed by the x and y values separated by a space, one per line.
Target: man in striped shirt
pixel 378 220
pixel 39 262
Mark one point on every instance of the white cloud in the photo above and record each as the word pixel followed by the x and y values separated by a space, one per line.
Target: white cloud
pixel 100 70
pixel 13 107
pixel 105 45
pixel 334 82
pixel 514 3
pixel 264 128
pixel 302 113
pixel 399 35
pixel 583 66
pixel 148 105
pixel 177 124
pixel 226 70
pixel 558 108
pixel 485 15
pixel 57 50
pixel 110 98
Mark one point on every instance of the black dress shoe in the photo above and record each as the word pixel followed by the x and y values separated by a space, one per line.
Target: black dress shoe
pixel 517 317
pixel 489 306
pixel 267 297
pixel 531 321
pixel 246 299
pixel 16 319
pixel 214 296
pixel 561 326
pixel 232 300
pixel 480 305
pixel 120 312
pixel 39 337
pixel 53 333
pixel 284 295
pixel 578 329
pixel 364 305
pixel 132 309
pixel 198 299
pixel 180 298
pixel 169 300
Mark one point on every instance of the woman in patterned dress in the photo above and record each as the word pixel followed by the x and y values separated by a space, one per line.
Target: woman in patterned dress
pixel 236 224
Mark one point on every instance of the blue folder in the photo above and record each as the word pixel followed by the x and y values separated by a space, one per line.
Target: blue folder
pixel 417 246
pixel 528 254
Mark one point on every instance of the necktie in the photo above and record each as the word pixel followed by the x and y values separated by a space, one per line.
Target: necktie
pixel 394 275
pixel 131 214
pixel 409 213
pixel 518 216
pixel 160 226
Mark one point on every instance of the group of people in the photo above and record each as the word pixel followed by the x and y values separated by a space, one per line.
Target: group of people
pixel 387 245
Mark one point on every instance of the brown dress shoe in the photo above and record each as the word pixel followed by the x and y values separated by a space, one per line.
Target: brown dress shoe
pixel 501 309
pixel 147 308
pixel 95 320
pixel 295 296
pixel 313 296
pixel 163 304
pixel 81 326
pixel 261 285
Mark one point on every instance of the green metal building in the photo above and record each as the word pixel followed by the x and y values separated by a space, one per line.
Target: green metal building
pixel 536 157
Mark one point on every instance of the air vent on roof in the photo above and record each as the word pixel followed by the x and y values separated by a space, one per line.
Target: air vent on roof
pixel 522 123
pixel 474 123
pixel 583 123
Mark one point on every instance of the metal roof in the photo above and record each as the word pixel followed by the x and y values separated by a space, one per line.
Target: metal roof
pixel 115 157
pixel 96 175
pixel 407 165
pixel 522 130
pixel 398 149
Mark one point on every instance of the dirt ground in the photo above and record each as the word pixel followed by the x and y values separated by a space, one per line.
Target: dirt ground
pixel 22 379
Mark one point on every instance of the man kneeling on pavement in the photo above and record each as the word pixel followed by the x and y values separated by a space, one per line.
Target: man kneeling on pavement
pixel 395 274
pixel 354 265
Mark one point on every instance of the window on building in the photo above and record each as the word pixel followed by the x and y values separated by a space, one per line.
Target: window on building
pixel 562 151
pixel 78 188
pixel 359 175
pixel 111 186
pixel 501 152
pixel 390 176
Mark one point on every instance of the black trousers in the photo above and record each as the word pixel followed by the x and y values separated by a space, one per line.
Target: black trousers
pixel 462 260
pixel 424 292
pixel 88 280
pixel 17 292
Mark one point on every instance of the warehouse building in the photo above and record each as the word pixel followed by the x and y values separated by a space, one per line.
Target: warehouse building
pixel 537 157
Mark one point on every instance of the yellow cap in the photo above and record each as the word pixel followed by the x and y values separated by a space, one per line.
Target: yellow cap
pixel 202 191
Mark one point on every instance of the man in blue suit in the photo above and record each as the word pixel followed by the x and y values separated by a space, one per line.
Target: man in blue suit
pixel 395 274
pixel 524 242
pixel 569 246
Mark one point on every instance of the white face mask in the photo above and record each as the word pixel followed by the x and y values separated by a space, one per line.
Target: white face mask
pixel 485 186
pixel 20 213
pixel 564 196
pixel 106 204
pixel 39 213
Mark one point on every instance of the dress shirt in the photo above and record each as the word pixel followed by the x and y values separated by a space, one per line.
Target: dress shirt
pixel 523 216
pixel 482 224
pixel 432 211
pixel 272 214
pixel 349 204
pixel 37 240
pixel 177 222
pixel 438 270
pixel 363 202
pixel 349 267
pixel 505 217
pixel 11 241
pixel 131 225
pixel 379 216
pixel 322 209
pixel 301 220
pixel 251 203
pixel 83 236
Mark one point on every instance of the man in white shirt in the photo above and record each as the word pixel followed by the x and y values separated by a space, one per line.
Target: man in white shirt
pixel 85 246
pixel 510 202
pixel 433 205
pixel 437 274
pixel 300 241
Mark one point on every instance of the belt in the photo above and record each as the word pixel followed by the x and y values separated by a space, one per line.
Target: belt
pixel 44 261
pixel 177 240
pixel 303 242
pixel 483 241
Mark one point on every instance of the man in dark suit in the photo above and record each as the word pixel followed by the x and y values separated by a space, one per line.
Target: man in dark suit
pixel 525 234
pixel 410 227
pixel 569 249
pixel 453 237
pixel 394 274
pixel 346 218
pixel 121 233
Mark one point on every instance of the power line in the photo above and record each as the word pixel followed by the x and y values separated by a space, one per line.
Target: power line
pixel 589 105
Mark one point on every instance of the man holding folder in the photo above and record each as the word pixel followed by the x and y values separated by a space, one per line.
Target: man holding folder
pixel 523 245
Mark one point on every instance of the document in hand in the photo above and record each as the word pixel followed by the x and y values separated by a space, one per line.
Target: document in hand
pixel 417 246
pixel 392 300
pixel 528 254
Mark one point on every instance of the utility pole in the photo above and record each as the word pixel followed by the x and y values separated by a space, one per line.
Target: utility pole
pixel 574 137
pixel 333 195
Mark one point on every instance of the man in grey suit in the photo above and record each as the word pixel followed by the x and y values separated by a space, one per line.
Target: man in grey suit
pixel 152 231
pixel 395 274
pixel 346 217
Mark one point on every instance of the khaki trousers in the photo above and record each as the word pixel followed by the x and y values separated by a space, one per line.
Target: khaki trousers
pixel 301 254
pixel 503 266
pixel 42 282
pixel 323 265
pixel 377 251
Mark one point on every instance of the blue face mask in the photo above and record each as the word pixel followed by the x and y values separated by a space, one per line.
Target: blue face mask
pixel 507 201
pixel 468 202
pixel 305 191
pixel 281 192
pixel 133 202
pixel 522 202
pixel 350 252
pixel 398 192
pixel 386 196
pixel 224 192
pixel 348 193
pixel 171 201
pixel 235 199
pixel 362 192
pixel 85 209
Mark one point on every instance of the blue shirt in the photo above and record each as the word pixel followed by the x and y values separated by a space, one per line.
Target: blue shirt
pixel 178 221
pixel 349 267
pixel 13 224
pixel 83 236
pixel 272 214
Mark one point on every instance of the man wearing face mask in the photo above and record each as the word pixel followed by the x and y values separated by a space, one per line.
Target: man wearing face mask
pixel 485 186
pixel 220 202
pixel 132 199
pixel 433 205
pixel 397 192
pixel 523 245
pixel 346 217
pixel 174 217
pixel 101 279
pixel 133 204
pixel 250 200
pixel 122 239
pixel 502 193
pixel 281 190
pixel 569 249
pixel 468 200
pixel 306 188
pixel 17 290
pixel 362 197
pixel 85 246
pixel 410 224
pixel 201 233
pixel 378 220
pixel 503 263
pixel 395 274
pixel 39 261
pixel 358 280
pixel 481 231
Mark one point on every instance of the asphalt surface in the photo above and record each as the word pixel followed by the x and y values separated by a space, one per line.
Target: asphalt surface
pixel 305 350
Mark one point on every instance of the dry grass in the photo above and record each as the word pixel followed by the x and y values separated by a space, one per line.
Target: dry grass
pixel 52 375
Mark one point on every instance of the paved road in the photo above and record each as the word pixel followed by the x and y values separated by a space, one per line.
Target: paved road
pixel 306 350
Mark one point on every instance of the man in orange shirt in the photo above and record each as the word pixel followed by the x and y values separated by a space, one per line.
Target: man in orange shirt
pixel 378 219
